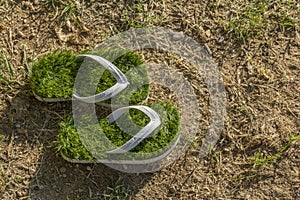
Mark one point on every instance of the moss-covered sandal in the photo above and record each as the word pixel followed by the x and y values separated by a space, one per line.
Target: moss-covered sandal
pixel 122 136
pixel 53 75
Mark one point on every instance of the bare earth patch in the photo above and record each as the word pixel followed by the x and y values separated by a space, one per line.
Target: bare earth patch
pixel 256 46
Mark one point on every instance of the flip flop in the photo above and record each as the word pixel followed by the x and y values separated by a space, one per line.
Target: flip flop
pixel 53 76
pixel 129 135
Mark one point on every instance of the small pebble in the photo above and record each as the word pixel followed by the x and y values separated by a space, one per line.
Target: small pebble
pixel 63 170
pixel 208 33
pixel 178 36
pixel 220 40
pixel 22 131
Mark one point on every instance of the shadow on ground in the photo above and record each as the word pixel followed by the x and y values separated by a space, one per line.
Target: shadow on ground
pixel 57 179
pixel 31 167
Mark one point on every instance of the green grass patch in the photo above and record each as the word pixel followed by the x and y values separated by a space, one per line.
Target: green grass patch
pixel 250 22
pixel 53 75
pixel 116 191
pixel 259 159
pixel 67 7
pixel 6 71
pixel 258 17
pixel 70 144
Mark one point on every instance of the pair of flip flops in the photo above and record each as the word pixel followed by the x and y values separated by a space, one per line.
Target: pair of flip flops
pixel 132 132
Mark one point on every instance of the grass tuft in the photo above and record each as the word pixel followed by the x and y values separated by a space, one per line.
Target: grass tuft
pixel 258 17
pixel 66 9
pixel 259 160
pixel 6 71
pixel 6 63
pixel 116 191
pixel 250 22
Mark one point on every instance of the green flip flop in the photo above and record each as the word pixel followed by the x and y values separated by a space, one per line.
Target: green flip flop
pixel 53 76
pixel 102 142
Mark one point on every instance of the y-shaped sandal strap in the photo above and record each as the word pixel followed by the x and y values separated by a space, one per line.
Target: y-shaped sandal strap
pixel 142 134
pixel 121 84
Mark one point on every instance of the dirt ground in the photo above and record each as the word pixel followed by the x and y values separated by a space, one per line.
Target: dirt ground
pixel 256 47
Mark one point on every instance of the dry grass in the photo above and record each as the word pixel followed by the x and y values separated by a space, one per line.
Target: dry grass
pixel 256 46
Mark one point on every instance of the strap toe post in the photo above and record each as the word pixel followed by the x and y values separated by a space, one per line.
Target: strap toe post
pixel 121 84
pixel 145 132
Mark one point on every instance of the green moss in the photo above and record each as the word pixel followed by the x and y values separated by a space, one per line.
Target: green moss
pixel 69 143
pixel 53 75
pixel 71 146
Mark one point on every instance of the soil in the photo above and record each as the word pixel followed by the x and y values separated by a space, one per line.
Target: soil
pixel 254 158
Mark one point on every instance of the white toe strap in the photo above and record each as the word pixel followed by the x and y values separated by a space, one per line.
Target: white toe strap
pixel 142 134
pixel 121 84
